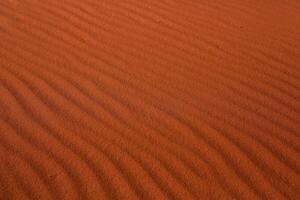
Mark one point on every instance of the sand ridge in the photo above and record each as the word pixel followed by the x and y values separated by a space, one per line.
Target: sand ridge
pixel 166 99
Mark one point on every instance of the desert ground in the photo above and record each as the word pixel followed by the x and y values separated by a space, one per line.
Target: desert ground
pixel 149 99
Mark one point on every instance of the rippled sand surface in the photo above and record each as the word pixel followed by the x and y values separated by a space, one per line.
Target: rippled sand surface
pixel 140 99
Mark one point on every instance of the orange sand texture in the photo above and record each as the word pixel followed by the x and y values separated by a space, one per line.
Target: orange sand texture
pixel 149 99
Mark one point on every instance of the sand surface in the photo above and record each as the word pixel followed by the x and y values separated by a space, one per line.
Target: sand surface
pixel 149 99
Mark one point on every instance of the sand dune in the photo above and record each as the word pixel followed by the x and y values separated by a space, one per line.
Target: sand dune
pixel 168 99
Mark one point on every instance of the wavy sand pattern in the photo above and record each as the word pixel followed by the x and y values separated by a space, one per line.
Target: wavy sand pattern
pixel 160 99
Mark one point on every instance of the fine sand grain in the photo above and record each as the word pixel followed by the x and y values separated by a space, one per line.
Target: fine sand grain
pixel 149 99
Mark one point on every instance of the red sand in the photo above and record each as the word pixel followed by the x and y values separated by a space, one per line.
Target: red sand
pixel 140 99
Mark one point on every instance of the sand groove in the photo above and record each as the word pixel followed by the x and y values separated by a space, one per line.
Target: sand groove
pixel 133 99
